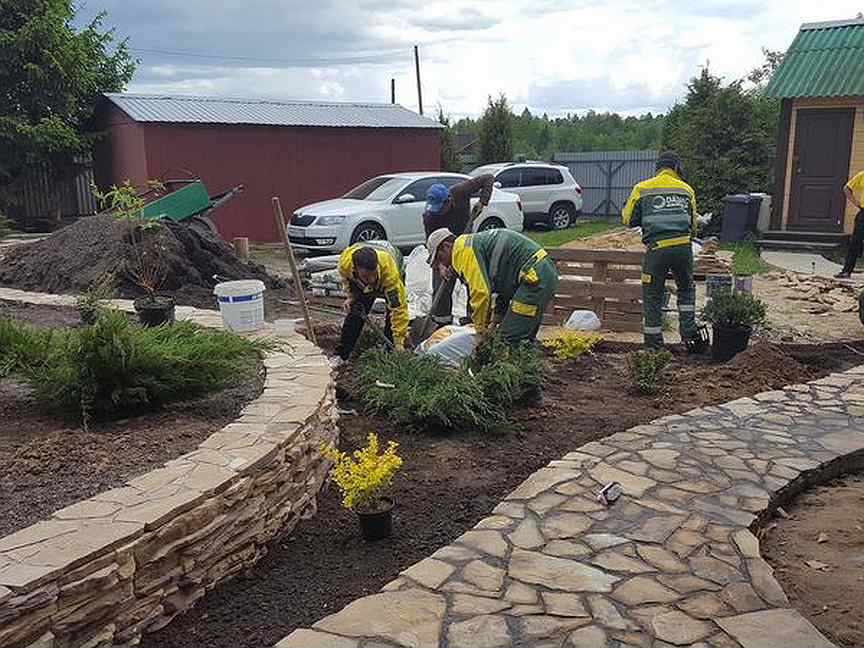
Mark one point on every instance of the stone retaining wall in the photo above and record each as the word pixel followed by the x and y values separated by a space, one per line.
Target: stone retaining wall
pixel 105 570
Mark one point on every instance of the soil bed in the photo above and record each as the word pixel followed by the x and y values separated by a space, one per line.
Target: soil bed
pixel 47 463
pixel 831 597
pixel 449 482
pixel 80 256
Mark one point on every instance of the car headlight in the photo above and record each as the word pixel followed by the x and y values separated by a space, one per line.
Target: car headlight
pixel 330 220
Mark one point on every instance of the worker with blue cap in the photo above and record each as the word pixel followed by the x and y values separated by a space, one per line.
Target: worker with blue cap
pixel 450 208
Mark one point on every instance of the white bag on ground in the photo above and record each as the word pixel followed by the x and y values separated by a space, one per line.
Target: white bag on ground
pixel 583 320
pixel 418 286
pixel 451 344
pixel 418 282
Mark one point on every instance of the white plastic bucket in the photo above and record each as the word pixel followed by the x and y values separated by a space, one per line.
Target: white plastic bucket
pixel 241 304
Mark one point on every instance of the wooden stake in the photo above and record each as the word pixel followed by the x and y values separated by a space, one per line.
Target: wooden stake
pixel 241 247
pixel 298 285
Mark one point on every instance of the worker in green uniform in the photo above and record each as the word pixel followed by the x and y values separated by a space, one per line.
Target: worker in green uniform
pixel 509 278
pixel 370 270
pixel 665 208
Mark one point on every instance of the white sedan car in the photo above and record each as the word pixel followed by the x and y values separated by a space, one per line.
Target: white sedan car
pixel 388 207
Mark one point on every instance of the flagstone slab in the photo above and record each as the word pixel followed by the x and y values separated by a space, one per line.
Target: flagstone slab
pixel 410 618
pixel 772 628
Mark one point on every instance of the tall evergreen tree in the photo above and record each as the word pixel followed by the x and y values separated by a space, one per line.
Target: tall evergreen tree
pixel 496 132
pixel 449 158
pixel 725 137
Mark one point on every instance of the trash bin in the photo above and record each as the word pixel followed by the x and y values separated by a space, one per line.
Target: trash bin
pixel 740 217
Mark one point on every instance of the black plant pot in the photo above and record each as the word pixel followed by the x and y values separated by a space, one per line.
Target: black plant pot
pixel 729 342
pixel 155 311
pixel 377 525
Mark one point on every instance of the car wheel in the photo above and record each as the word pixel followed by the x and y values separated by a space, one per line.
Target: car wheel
pixel 368 232
pixel 490 224
pixel 561 215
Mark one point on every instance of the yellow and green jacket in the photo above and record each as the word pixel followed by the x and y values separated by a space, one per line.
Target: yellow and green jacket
pixel 665 208
pixel 495 262
pixel 390 284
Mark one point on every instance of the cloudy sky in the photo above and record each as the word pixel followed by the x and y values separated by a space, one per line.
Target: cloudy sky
pixel 550 55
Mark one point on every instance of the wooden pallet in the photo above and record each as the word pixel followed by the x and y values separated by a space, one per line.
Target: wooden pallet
pixel 607 282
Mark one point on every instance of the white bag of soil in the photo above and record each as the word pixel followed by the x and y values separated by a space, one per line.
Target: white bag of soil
pixel 583 320
pixel 418 286
pixel 451 344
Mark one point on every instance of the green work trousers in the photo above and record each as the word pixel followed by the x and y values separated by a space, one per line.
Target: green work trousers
pixel 525 310
pixel 658 263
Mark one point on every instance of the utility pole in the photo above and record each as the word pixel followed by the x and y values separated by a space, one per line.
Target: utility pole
pixel 393 91
pixel 417 66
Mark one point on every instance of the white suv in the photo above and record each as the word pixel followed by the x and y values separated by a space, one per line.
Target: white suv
pixel 549 193
pixel 389 207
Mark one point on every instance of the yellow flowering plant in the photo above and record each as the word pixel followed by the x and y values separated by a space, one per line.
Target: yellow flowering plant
pixel 569 345
pixel 364 476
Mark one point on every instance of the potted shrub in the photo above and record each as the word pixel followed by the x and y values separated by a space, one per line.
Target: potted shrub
pixel 364 477
pixel 732 317
pixel 146 264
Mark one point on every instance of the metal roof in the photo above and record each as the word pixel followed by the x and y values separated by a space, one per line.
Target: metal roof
pixel 825 60
pixel 266 112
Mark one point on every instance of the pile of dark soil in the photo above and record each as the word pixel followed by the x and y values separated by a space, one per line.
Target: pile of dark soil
pixel 80 256
pixel 47 463
pixel 817 553
pixel 449 482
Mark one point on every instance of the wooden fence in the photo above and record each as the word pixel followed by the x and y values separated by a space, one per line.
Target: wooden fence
pixel 607 282
pixel 47 199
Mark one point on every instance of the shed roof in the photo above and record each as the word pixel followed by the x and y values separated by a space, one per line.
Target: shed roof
pixel 266 112
pixel 825 60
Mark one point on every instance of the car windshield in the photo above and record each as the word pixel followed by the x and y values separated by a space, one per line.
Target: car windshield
pixel 380 188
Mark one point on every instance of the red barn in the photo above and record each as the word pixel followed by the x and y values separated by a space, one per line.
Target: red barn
pixel 297 150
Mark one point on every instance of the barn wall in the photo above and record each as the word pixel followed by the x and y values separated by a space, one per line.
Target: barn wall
pixel 120 154
pixel 300 165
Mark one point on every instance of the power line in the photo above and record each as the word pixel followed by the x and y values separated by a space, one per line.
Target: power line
pixel 380 57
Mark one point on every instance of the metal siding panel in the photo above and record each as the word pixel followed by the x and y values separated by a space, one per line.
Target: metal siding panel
pixel 822 62
pixel 208 110
pixel 592 168
pixel 295 164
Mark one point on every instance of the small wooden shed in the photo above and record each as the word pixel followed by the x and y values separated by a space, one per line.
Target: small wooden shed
pixel 821 142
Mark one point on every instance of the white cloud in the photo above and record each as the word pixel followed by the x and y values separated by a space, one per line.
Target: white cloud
pixel 551 55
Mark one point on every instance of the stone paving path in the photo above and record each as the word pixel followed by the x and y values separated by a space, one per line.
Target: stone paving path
pixel 672 563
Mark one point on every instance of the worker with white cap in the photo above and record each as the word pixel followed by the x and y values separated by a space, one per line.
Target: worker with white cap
pixel 509 278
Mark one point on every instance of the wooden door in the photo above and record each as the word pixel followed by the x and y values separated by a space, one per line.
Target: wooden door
pixel 820 165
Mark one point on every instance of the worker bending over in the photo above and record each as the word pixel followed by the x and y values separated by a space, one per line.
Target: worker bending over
pixel 369 270
pixel 504 271
pixel 451 209
pixel 665 208
pixel 854 192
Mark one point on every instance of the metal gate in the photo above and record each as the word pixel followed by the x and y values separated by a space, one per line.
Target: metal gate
pixel 607 177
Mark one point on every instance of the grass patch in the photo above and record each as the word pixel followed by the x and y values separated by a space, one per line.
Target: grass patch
pixel 556 238
pixel 116 366
pixel 746 258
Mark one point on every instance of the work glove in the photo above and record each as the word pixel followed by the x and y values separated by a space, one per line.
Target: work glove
pixel 346 306
pixel 399 345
